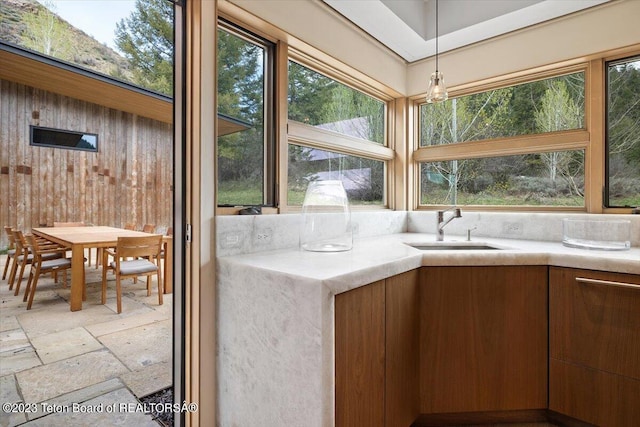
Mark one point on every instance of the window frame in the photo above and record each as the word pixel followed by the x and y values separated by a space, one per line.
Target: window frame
pixel 33 129
pixel 577 139
pixel 269 185
pixel 624 57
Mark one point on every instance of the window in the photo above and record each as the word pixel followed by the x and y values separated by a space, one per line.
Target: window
pixel 335 132
pixel 545 179
pixel 553 104
pixel 362 178
pixel 322 102
pixel 57 138
pixel 245 123
pixel 519 145
pixel 622 187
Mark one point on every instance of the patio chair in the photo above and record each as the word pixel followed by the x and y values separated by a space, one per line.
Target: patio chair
pixel 42 263
pixel 169 232
pixel 130 226
pixel 24 257
pixel 11 251
pixel 149 228
pixel 144 252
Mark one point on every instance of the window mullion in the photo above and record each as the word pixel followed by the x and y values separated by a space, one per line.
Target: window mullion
pixel 281 89
pixel 595 154
pixel 530 144
pixel 311 136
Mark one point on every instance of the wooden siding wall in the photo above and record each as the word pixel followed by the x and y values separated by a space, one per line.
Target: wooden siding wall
pixel 129 180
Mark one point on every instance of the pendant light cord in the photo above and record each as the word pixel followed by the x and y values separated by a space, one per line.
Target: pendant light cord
pixel 436 37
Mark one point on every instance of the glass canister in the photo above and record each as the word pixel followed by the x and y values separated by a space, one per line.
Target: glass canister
pixel 326 218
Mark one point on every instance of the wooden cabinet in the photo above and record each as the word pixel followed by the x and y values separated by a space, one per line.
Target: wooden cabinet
pixel 595 346
pixel 483 339
pixel 441 340
pixel 402 316
pixel 376 338
pixel 360 356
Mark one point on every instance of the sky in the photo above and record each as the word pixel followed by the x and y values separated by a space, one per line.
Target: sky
pixel 97 18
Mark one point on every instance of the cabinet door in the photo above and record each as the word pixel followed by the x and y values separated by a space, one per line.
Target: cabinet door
pixel 483 338
pixel 595 319
pixel 360 364
pixel 402 342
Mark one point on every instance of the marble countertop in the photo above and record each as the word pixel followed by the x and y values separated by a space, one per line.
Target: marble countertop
pixel 376 258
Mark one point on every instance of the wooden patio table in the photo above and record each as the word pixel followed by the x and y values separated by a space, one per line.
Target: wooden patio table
pixel 79 238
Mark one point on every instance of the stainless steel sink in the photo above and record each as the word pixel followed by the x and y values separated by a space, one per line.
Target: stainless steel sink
pixel 454 246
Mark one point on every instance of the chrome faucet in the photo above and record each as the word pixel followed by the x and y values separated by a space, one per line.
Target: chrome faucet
pixel 442 222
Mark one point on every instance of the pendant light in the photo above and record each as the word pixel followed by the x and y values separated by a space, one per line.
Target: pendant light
pixel 437 91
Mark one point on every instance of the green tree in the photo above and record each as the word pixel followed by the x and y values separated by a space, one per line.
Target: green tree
pixel 623 133
pixel 146 40
pixel 241 96
pixel 308 93
pixel 44 32
pixel 464 119
pixel 624 111
pixel 353 113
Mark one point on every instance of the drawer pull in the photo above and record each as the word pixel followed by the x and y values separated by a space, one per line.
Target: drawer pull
pixel 607 283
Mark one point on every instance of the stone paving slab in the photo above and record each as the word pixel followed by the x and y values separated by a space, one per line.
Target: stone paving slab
pixel 124 323
pixel 8 322
pixel 79 396
pixel 64 344
pixel 58 318
pixel 150 379
pixel 13 340
pixel 142 346
pixel 12 305
pixel 125 414
pixel 48 381
pixel 18 360
pixel 130 306
pixel 9 394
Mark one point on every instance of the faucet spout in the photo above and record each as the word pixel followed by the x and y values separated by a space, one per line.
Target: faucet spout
pixel 442 222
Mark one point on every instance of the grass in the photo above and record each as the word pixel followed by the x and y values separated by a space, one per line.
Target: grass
pixel 243 193
pixel 239 193
pixel 633 201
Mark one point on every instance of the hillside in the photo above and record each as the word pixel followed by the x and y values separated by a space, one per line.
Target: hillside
pixel 69 43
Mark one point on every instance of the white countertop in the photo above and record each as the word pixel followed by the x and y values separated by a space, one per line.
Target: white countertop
pixel 376 258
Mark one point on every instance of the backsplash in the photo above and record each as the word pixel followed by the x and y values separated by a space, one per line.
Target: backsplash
pixel 512 225
pixel 241 234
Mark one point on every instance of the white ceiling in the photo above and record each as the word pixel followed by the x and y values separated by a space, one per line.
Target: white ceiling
pixel 407 27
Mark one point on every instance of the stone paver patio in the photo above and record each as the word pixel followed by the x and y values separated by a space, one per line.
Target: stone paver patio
pixel 63 364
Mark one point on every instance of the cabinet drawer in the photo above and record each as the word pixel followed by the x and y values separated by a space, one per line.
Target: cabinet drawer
pixel 593 396
pixel 595 319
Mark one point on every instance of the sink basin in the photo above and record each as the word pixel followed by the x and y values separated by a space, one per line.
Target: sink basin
pixel 454 246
